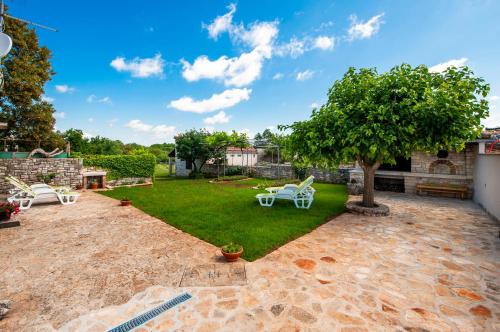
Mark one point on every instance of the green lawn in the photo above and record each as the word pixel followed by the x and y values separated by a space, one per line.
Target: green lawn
pixel 221 213
pixel 161 170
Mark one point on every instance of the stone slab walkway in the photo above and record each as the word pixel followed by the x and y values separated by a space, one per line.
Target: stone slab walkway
pixel 67 260
pixel 432 265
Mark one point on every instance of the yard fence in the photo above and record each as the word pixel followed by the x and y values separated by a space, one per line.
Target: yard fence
pixel 286 171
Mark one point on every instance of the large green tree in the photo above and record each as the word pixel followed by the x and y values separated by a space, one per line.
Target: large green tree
pixel 25 70
pixel 192 145
pixel 373 118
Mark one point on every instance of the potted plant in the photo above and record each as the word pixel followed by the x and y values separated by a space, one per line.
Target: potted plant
pixel 7 210
pixel 232 252
pixel 94 185
pixel 125 201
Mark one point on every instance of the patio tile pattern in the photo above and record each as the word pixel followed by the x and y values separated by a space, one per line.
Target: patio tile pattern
pixel 432 265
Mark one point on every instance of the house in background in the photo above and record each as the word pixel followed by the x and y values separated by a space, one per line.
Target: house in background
pixel 241 157
pixel 234 157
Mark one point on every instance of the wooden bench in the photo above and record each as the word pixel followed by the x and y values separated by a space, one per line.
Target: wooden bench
pixel 443 189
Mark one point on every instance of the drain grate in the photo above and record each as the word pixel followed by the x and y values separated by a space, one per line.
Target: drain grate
pixel 143 318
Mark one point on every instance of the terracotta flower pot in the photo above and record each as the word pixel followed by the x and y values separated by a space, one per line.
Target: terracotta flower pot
pixel 126 202
pixel 232 257
pixel 93 186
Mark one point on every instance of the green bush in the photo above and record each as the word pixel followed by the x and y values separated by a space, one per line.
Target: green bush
pixel 123 166
pixel 233 170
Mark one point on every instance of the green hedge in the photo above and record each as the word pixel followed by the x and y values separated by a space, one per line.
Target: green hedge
pixel 123 166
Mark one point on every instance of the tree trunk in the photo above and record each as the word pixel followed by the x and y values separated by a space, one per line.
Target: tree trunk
pixel 369 184
pixel 368 195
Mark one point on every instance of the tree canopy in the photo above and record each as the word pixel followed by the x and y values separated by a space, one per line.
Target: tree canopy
pixel 373 118
pixel 26 69
pixel 200 146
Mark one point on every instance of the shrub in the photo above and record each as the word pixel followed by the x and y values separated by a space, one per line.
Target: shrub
pixel 236 170
pixel 123 166
pixel 231 248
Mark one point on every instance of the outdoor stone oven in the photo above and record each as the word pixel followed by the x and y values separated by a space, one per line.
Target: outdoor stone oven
pixel 442 166
pixel 447 167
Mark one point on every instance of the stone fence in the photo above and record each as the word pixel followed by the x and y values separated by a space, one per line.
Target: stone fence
pixel 275 171
pixel 67 171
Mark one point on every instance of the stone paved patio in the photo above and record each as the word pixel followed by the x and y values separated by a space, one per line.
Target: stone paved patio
pixel 433 264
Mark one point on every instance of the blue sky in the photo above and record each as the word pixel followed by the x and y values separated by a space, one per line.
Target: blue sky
pixel 145 71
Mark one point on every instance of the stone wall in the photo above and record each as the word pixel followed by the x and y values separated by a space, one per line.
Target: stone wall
pixel 272 171
pixel 67 171
pixel 456 169
pixel 456 163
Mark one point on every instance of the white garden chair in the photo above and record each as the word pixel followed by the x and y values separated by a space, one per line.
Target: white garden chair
pixel 11 179
pixel 302 195
pixel 25 195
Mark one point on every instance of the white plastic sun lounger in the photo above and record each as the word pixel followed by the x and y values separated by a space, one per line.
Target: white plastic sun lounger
pixel 11 179
pixel 302 194
pixel 26 195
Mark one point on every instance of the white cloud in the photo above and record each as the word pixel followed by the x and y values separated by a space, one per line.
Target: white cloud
pixel 246 131
pixel 87 135
pixel 297 47
pixel 59 115
pixel 305 75
pixel 93 99
pixel 164 131
pixel 47 99
pixel 138 125
pixel 441 67
pixel 91 120
pixel 221 23
pixel 64 89
pixel 293 48
pixel 324 42
pixel 277 76
pixel 260 34
pixel 314 105
pixel 364 30
pixel 494 98
pixel 226 99
pixel 140 68
pixel 220 117
pixel 160 131
pixel 236 71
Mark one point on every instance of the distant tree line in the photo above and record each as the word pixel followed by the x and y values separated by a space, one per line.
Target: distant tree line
pixel 99 145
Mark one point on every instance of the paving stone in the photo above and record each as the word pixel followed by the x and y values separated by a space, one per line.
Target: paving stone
pixel 354 273
pixel 277 309
pixel 302 315
pixel 481 311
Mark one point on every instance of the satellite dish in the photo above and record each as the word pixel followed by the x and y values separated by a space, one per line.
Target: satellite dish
pixel 5 44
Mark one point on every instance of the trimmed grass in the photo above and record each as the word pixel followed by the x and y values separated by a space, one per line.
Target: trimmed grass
pixel 221 213
pixel 161 171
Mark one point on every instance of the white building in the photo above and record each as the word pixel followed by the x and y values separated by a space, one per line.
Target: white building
pixel 234 157
pixel 241 157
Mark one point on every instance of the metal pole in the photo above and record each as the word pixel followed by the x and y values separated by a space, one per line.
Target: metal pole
pixel 2 10
pixel 279 173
